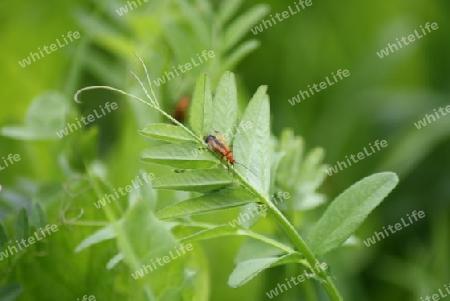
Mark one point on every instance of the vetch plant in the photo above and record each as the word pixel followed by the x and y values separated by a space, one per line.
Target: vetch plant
pixel 223 185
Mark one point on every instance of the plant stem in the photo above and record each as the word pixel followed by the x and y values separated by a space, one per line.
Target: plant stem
pixel 284 223
pixel 296 239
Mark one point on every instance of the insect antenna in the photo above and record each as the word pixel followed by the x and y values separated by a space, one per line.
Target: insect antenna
pixel 246 167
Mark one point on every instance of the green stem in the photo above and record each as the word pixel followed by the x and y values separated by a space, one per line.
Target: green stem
pixel 247 233
pixel 284 223
pixel 296 239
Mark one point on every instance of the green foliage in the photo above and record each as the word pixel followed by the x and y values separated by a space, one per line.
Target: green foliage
pixel 10 292
pixel 127 234
pixel 222 199
pixel 247 270
pixel 45 116
pixel 3 237
pixel 21 225
pixel 252 147
pixel 347 212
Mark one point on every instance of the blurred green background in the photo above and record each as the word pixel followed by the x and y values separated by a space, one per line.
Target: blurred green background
pixel 381 100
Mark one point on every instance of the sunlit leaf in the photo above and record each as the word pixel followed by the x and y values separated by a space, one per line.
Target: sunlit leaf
pixel 200 112
pixel 180 155
pixel 247 270
pixel 347 212
pixel 166 132
pixel 98 236
pixel 251 145
pixel 200 180
pixel 225 198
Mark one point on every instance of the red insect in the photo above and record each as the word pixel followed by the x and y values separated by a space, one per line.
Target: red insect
pixel 181 109
pixel 219 145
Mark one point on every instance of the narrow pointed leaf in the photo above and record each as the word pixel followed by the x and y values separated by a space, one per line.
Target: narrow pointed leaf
pixel 180 155
pixel 166 132
pixel 11 292
pixel 114 261
pixel 197 22
pixel 98 236
pixel 227 9
pixel 38 218
pixel 200 180
pixel 219 231
pixel 227 230
pixel 239 53
pixel 225 105
pixel 3 237
pixel 250 146
pixel 241 26
pixel 247 270
pixel 225 198
pixel 21 224
pixel 253 249
pixel 201 107
pixel 347 212
pixel 141 237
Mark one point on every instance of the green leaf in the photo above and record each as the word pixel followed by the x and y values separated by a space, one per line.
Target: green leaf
pixel 225 198
pixel 200 180
pixel 38 218
pixel 225 105
pixel 105 33
pixel 241 26
pixel 247 211
pixel 180 155
pixel 239 53
pixel 114 261
pixel 347 212
pixel 253 249
pixel 141 238
pixel 247 270
pixel 21 225
pixel 166 132
pixel 182 43
pixel 146 192
pixel 227 9
pixel 251 146
pixel 219 231
pixel 290 164
pixel 98 236
pixel 3 237
pixel 198 24
pixel 200 111
pixel 45 117
pixel 11 292
pixel 231 229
